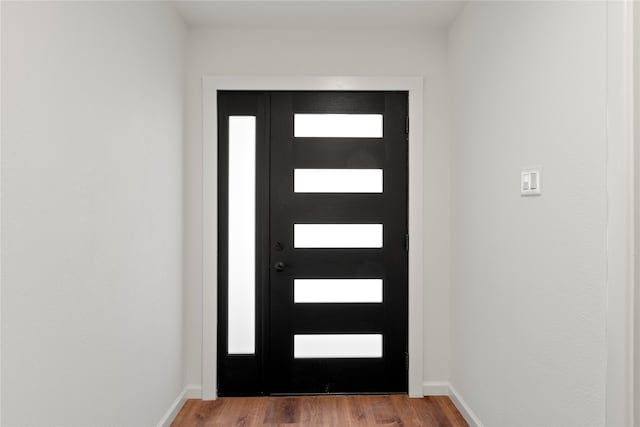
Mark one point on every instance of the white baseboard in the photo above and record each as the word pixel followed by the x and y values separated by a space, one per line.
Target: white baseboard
pixel 193 392
pixel 444 388
pixel 189 392
pixel 470 416
pixel 435 388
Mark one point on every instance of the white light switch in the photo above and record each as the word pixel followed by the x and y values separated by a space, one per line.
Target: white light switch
pixel 530 182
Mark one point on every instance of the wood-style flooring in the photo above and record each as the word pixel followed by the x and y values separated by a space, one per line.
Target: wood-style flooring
pixel 338 411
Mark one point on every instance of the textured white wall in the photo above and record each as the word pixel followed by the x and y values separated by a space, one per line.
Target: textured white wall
pixel 314 53
pixel 528 274
pixel 92 114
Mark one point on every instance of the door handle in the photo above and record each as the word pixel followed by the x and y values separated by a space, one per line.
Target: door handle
pixel 280 266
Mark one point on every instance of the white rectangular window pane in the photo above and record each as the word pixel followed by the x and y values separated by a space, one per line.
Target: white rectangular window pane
pixel 337 180
pixel 337 346
pixel 337 290
pixel 337 235
pixel 337 125
pixel 241 245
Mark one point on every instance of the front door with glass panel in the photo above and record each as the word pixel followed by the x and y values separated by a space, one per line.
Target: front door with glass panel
pixel 312 242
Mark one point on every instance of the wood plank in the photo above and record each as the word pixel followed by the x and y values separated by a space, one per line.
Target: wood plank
pixel 360 413
pixel 284 410
pixel 342 410
pixel 383 412
pixel 430 414
pixel 402 405
pixel 450 409
pixel 246 412
pixel 198 413
pixel 316 411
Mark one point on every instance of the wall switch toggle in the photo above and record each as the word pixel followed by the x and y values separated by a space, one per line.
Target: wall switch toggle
pixel 530 182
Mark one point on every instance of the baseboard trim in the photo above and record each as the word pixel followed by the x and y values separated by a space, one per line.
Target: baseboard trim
pixel 470 416
pixel 435 388
pixel 189 392
pixel 444 388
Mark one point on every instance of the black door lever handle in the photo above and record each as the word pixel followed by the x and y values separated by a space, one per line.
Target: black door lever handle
pixel 280 266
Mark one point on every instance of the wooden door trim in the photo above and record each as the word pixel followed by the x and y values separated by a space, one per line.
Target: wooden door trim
pixel 211 85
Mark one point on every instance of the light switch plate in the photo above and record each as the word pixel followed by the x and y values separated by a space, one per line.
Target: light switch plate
pixel 530 182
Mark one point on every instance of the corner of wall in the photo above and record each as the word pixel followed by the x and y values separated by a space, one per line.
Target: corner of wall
pixel 444 388
pixel 620 379
pixel 189 392
pixel 469 415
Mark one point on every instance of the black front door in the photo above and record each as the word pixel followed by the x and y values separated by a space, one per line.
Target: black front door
pixel 331 244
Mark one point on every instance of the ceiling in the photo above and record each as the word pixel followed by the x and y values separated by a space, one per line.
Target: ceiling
pixel 338 14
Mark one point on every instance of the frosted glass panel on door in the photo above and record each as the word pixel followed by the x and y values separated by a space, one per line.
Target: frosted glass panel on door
pixel 337 290
pixel 337 346
pixel 337 125
pixel 337 180
pixel 337 235
pixel 241 247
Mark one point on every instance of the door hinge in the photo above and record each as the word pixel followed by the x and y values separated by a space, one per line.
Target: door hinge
pixel 406 242
pixel 406 125
pixel 406 360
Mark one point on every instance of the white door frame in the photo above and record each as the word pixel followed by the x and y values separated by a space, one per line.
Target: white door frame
pixel 212 84
pixel 620 215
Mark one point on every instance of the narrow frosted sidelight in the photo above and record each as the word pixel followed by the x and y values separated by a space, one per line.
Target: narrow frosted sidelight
pixel 337 180
pixel 337 346
pixel 337 125
pixel 337 235
pixel 241 249
pixel 337 290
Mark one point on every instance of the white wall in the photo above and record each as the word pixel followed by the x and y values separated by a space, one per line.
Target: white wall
pixel 315 53
pixel 637 211
pixel 92 115
pixel 528 274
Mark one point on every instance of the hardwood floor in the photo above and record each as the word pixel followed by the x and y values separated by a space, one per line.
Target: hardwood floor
pixel 338 411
